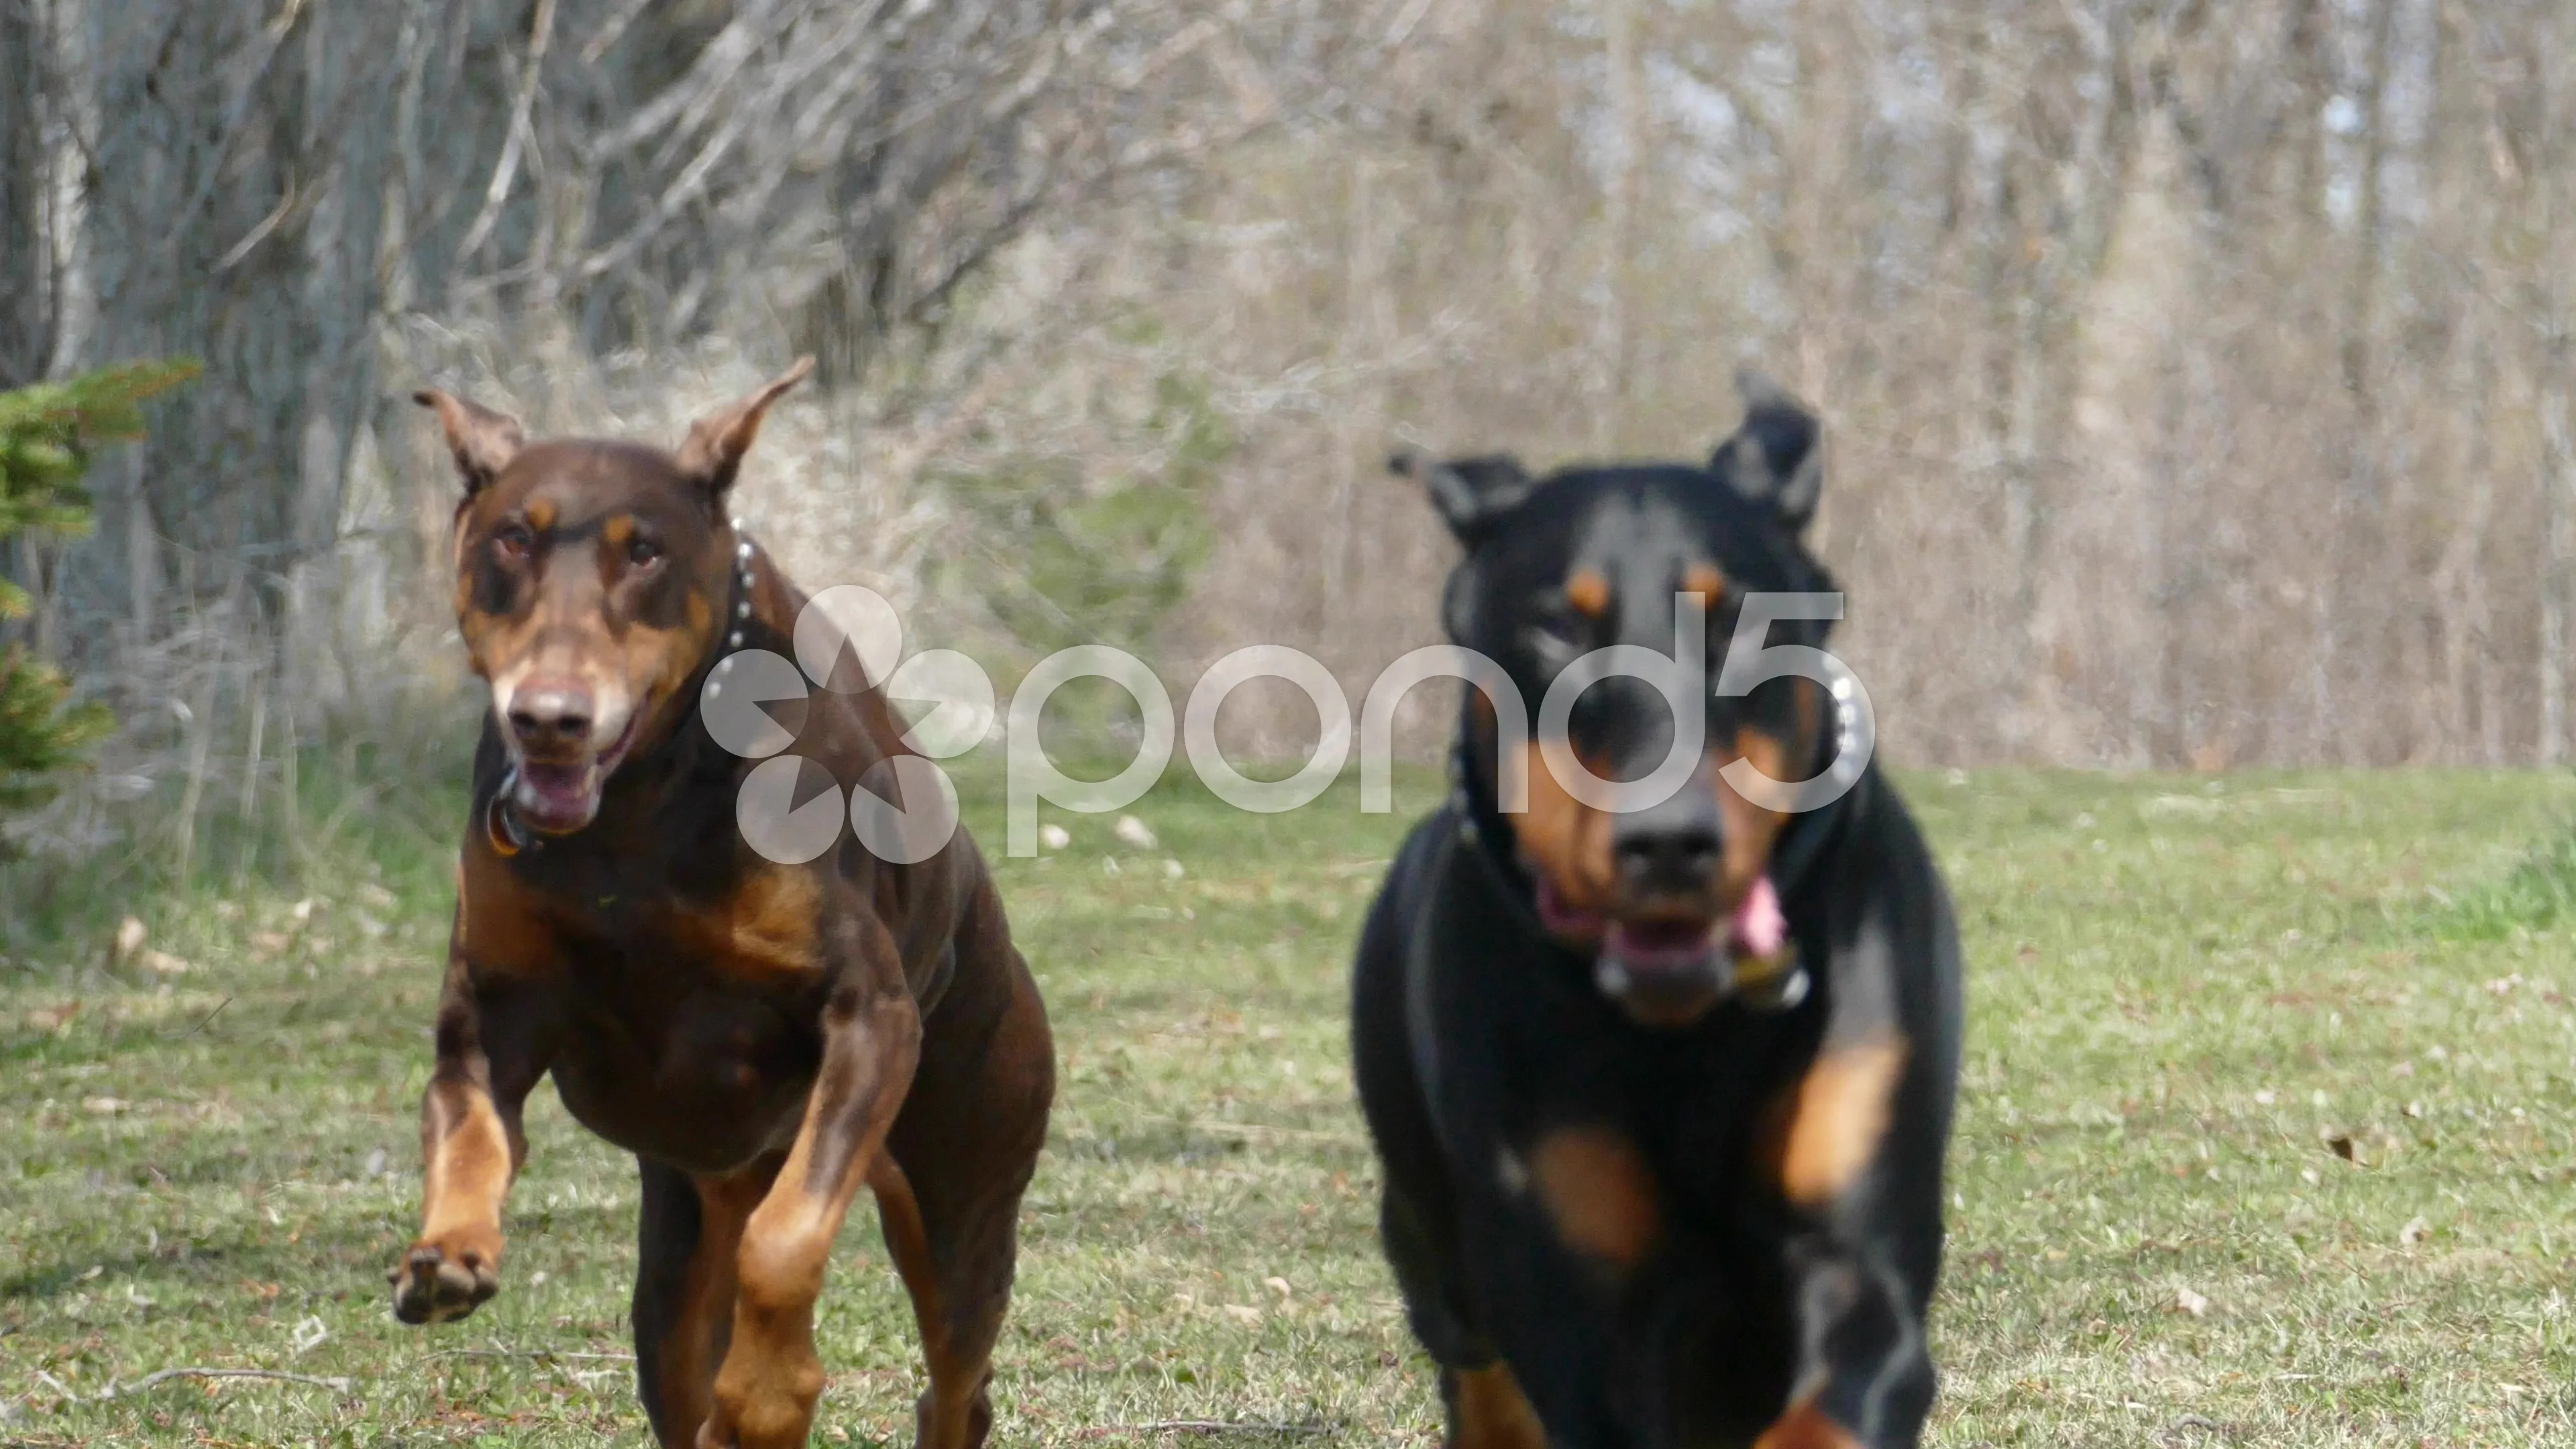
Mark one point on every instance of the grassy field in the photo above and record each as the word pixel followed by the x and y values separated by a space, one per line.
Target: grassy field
pixel 2266 1138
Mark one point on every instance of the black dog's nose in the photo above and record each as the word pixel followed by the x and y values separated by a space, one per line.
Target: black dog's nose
pixel 550 714
pixel 1679 859
pixel 1671 847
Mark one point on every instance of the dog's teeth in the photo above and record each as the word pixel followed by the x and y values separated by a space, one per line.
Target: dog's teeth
pixel 733 641
pixel 1611 977
pixel 742 610
pixel 742 550
pixel 737 525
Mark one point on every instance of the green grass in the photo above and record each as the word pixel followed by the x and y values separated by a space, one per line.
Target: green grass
pixel 2181 991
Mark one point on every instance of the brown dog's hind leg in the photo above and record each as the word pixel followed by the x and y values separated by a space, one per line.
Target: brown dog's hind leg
pixel 955 1412
pixel 949 1197
pixel 687 1237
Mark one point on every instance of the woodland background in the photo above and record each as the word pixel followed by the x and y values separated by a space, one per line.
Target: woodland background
pixel 2196 375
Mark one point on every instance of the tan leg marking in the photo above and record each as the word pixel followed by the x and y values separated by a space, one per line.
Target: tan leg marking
pixel 766 1390
pixel 1487 1410
pixel 1805 1427
pixel 1598 1191
pixel 468 1158
pixel 1836 1117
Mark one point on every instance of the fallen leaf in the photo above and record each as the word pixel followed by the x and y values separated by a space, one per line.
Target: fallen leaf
pixel 1276 1285
pixel 1054 837
pixel 2340 1144
pixel 162 963
pixel 105 1106
pixel 129 939
pixel 1135 832
pixel 2415 1231
pixel 2186 1301
pixel 1243 1313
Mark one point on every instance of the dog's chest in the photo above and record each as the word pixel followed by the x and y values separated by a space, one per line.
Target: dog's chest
pixel 674 1051
pixel 1548 1084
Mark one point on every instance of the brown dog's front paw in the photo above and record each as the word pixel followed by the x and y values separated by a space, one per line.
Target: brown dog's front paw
pixel 436 1284
pixel 763 1401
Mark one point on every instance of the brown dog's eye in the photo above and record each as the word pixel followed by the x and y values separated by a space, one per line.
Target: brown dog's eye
pixel 643 551
pixel 513 541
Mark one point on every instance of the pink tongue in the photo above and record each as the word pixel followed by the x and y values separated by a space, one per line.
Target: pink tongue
pixel 1759 928
pixel 1560 918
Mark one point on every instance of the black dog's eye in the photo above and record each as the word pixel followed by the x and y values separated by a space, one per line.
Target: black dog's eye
pixel 643 551
pixel 513 540
pixel 1558 634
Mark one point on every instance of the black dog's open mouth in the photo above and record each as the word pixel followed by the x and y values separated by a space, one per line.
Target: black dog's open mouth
pixel 558 797
pixel 1667 970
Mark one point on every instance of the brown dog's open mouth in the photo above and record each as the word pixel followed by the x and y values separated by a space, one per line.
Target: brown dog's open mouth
pixel 558 797
pixel 1668 970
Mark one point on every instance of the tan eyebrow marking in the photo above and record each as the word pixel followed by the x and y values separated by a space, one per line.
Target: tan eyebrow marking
pixel 1589 592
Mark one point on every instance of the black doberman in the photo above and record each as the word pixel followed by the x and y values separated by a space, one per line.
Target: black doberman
pixel 1662 1089
pixel 766 1038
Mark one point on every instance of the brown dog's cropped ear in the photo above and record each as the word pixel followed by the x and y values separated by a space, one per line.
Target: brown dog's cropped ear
pixel 1774 458
pixel 1469 492
pixel 483 441
pixel 713 453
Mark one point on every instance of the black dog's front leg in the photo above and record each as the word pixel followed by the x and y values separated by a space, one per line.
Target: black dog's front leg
pixel 1864 1372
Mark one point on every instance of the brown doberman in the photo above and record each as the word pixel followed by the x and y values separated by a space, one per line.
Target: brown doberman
pixel 765 1038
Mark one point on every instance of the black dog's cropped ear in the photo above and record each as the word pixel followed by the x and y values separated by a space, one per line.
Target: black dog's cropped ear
pixel 483 441
pixel 1469 492
pixel 1773 458
pixel 713 453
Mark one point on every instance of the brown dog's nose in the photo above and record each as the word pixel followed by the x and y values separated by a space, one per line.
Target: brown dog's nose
pixel 551 714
